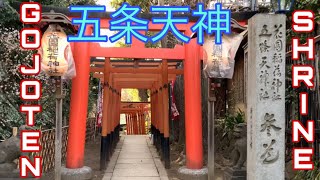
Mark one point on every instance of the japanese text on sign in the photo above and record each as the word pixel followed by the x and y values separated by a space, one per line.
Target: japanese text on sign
pixel 127 23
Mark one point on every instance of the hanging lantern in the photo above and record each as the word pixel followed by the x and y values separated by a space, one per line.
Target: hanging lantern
pixel 54 51
pixel 282 6
pixel 220 59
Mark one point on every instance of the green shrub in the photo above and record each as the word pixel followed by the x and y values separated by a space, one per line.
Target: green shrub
pixel 230 121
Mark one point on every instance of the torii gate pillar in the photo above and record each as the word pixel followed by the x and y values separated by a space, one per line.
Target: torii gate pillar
pixel 193 113
pixel 78 114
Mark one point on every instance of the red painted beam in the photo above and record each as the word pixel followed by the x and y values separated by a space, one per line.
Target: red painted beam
pixel 136 52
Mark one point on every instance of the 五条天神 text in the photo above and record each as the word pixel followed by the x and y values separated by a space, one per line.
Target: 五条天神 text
pixel 126 22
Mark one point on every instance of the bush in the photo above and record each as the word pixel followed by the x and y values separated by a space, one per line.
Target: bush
pixel 230 121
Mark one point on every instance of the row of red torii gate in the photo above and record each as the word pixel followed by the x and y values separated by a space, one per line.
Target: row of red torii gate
pixel 149 68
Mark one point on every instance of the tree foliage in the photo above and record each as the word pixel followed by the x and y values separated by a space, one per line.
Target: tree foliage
pixel 130 95
pixel 312 5
pixel 12 56
pixel 143 4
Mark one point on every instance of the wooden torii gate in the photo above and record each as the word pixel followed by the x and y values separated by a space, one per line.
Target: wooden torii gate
pixel 135 116
pixel 116 78
pixel 151 74
pixel 154 78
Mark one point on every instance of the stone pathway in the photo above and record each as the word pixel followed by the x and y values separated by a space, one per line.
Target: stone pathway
pixel 135 159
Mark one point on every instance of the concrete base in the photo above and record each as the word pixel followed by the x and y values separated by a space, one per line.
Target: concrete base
pixel 192 174
pixel 235 174
pixel 84 173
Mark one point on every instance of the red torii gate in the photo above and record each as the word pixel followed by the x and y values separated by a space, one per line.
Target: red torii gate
pixel 135 117
pixel 189 53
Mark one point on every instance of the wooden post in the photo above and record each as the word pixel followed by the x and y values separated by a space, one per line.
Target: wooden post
pixel 138 123
pixel 135 123
pixel 118 95
pixel 161 116
pixel 133 126
pixel 127 124
pixel 79 105
pixel 193 116
pixel 165 117
pixel 112 119
pixel 58 128
pixel 130 124
pixel 104 154
pixel 110 104
pixel 157 117
pixel 153 123
pixel 211 99
pixel 143 121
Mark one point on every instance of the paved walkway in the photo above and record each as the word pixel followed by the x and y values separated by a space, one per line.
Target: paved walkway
pixel 135 159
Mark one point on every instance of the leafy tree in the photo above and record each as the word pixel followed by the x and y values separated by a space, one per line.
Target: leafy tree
pixel 10 60
pixel 130 95
pixel 143 4
pixel 293 94
pixel 312 5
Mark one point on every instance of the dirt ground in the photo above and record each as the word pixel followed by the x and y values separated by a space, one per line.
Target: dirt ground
pixel 172 172
pixel 92 158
